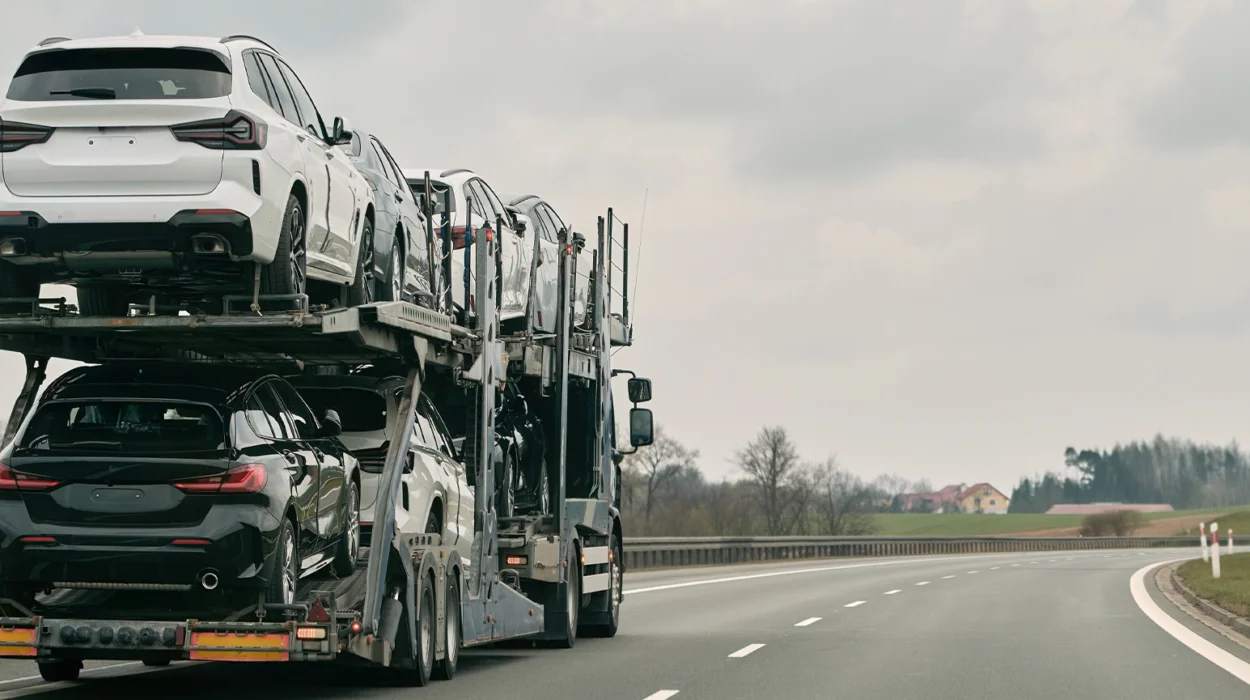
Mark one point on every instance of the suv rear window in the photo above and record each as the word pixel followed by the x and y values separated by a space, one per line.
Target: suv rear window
pixel 121 74
pixel 361 410
pixel 99 426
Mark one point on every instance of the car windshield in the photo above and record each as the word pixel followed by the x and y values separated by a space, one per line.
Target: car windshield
pixel 129 426
pixel 121 74
pixel 360 410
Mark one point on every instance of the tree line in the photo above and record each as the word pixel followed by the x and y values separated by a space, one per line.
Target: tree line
pixel 779 492
pixel 1178 472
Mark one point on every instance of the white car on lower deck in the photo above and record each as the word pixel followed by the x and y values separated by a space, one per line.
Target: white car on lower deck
pixel 167 165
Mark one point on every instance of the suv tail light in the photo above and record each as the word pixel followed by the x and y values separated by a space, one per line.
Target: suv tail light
pixel 236 131
pixel 17 481
pixel 245 478
pixel 15 135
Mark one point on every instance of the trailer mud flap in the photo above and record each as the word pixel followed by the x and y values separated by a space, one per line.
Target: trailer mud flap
pixel 240 646
pixel 19 642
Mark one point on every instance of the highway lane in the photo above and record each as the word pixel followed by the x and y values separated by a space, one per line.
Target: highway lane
pixel 1032 625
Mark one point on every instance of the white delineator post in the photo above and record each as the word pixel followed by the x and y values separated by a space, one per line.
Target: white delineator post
pixel 1215 550
pixel 1202 539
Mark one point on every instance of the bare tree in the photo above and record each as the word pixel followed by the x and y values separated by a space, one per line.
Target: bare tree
pixel 658 466
pixel 842 501
pixel 771 464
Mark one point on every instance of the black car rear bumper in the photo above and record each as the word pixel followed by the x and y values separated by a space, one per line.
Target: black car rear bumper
pixel 233 542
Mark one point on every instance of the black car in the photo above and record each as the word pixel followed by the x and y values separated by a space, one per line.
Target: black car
pixel 397 265
pixel 217 481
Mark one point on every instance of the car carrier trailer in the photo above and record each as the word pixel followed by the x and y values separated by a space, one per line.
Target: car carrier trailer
pixel 415 603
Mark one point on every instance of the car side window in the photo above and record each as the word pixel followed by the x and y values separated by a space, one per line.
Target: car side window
pixel 546 226
pixel 399 172
pixel 265 414
pixel 285 103
pixel 473 189
pixel 305 424
pixel 256 77
pixel 387 170
pixel 441 437
pixel 555 218
pixel 495 204
pixel 304 102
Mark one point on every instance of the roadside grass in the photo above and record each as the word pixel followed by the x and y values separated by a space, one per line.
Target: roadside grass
pixel 974 524
pixel 1230 591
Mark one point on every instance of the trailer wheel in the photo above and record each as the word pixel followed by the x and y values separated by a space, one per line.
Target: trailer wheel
pixel 445 670
pixel 60 670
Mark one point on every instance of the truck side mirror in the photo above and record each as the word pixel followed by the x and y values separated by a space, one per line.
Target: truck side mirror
pixel 641 432
pixel 639 390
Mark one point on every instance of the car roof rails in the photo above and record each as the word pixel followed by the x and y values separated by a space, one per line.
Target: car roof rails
pixel 453 171
pixel 248 37
pixel 54 40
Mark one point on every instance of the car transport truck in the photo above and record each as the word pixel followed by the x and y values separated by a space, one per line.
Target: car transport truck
pixel 413 602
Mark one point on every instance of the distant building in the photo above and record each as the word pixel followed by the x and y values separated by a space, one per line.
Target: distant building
pixel 1091 508
pixel 983 498
pixel 936 502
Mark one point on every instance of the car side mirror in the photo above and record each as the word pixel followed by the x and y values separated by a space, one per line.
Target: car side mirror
pixel 639 390
pixel 457 444
pixel 331 424
pixel 641 431
pixel 521 224
pixel 339 135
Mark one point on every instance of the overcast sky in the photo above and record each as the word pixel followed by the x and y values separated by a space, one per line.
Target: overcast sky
pixel 943 239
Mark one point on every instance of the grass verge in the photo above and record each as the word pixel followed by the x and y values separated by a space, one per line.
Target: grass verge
pixel 1230 591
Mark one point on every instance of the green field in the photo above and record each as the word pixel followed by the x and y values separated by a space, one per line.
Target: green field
pixel 1231 590
pixel 972 524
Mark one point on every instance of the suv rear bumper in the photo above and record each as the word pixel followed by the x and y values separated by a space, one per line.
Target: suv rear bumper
pixel 234 542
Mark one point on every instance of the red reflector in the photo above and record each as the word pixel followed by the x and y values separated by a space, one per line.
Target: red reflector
pixel 215 211
pixel 180 635
pixel 355 626
pixel 10 213
pixel 39 539
pixel 367 522
pixel 190 541
pixel 318 613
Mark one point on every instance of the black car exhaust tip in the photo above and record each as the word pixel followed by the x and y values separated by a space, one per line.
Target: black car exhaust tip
pixel 209 580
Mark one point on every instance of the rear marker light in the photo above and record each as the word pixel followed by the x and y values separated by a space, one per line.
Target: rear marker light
pixel 237 130
pixel 515 561
pixel 12 481
pixel 355 627
pixel 246 478
pixel 16 135
pixel 307 633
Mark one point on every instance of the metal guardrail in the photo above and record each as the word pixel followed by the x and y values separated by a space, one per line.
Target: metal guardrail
pixel 658 552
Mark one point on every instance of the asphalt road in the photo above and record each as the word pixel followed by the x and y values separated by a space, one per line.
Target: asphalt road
pixel 1030 627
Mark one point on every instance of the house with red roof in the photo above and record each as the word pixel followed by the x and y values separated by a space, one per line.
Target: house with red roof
pixel 956 498
pixel 982 498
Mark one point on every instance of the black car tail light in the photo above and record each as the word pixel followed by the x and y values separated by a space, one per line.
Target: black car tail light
pixel 245 478
pixel 237 131
pixel 11 480
pixel 16 135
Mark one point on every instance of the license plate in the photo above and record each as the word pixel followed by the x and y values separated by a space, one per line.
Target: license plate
pixel 227 646
pixel 19 641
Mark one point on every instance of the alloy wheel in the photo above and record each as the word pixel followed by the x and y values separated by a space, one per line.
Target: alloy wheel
pixel 299 252
pixel 289 574
pixel 397 274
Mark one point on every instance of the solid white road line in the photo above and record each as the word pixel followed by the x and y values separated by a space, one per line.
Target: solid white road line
pixel 1033 562
pixel 951 576
pixel 856 604
pixel 748 649
pixel 995 568
pixel 896 590
pixel 972 572
pixel 1015 565
pixel 1137 585
pixel 662 695
pixel 923 583
pixel 97 669
pixel 808 621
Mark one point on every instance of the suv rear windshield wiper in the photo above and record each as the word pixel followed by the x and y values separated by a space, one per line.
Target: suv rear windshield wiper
pixel 99 93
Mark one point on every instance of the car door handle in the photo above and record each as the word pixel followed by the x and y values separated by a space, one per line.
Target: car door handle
pixel 302 138
pixel 399 197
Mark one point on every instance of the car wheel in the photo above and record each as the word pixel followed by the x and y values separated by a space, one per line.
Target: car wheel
pixel 285 575
pixel 348 549
pixel 392 288
pixel 445 669
pixel 418 670
pixel 60 670
pixel 288 273
pixel 16 282
pixel 362 290
pixel 102 300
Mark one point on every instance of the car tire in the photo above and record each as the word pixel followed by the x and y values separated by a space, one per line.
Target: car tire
pixel 59 670
pixel 422 664
pixel 347 552
pixel 445 668
pixel 102 300
pixel 288 273
pixel 392 287
pixel 363 284
pixel 16 282
pixel 284 577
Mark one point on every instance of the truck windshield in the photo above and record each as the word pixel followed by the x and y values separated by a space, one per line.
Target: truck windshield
pixel 361 410
pixel 129 426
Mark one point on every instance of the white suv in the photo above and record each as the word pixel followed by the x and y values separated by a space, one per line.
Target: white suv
pixel 178 167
